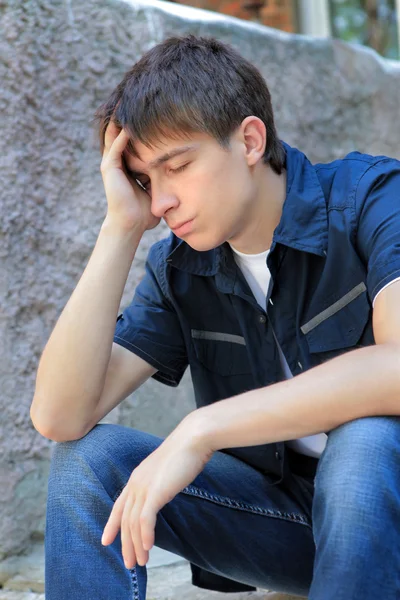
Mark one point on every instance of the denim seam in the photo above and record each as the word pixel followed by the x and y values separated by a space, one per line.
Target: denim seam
pixel 135 584
pixel 224 501
pixel 191 490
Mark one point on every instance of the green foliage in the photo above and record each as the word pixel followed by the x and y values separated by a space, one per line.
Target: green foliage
pixel 369 22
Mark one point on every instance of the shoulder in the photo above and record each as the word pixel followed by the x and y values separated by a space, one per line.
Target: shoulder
pixel 343 179
pixel 380 181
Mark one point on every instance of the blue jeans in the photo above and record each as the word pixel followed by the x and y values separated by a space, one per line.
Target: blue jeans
pixel 335 536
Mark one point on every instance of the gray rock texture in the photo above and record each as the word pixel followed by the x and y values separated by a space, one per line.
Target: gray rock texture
pixel 59 60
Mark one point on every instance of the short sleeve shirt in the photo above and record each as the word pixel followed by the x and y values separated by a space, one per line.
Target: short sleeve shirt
pixel 337 245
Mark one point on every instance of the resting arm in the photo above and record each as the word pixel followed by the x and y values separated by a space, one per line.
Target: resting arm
pixel 363 382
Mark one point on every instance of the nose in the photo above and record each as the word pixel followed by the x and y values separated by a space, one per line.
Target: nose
pixel 162 202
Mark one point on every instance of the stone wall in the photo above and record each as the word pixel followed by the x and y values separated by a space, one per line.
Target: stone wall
pixel 58 61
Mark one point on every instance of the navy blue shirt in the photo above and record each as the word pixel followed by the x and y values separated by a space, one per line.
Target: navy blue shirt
pixel 336 246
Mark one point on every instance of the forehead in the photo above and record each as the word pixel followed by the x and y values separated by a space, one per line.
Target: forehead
pixel 154 157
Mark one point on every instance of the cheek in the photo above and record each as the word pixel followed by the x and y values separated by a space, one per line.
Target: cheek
pixel 232 194
pixel 221 185
pixel 221 194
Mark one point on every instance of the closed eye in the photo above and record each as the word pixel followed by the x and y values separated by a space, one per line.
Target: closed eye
pixel 146 183
pixel 179 168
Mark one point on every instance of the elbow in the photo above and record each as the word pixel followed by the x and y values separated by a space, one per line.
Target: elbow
pixel 52 433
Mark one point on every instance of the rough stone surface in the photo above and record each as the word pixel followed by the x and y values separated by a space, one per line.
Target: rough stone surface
pixel 58 61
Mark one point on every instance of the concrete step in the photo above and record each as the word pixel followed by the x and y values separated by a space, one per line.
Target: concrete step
pixel 22 578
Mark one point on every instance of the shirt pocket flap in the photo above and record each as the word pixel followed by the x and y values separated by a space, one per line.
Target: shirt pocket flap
pixel 222 353
pixel 341 324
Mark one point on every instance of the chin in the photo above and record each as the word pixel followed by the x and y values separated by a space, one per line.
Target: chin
pixel 204 243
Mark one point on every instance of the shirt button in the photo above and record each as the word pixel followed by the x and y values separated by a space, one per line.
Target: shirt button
pixel 300 365
pixel 277 456
pixel 262 319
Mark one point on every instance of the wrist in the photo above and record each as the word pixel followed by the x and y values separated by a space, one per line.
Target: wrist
pixel 201 428
pixel 119 227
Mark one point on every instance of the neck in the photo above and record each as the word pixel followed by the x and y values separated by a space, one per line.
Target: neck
pixel 263 214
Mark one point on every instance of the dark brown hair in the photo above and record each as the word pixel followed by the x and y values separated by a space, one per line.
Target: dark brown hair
pixel 187 85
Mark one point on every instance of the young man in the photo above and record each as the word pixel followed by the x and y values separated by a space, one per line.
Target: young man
pixel 279 287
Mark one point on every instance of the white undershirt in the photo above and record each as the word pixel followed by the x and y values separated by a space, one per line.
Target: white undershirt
pixel 254 268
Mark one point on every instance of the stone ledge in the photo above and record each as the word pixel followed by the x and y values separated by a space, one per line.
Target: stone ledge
pixel 22 578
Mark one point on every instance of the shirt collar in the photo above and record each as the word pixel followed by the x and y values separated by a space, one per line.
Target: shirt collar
pixel 303 225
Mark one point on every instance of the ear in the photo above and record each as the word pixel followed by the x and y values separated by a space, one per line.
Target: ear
pixel 255 139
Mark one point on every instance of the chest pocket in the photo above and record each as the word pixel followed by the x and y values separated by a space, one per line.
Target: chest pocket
pixel 341 324
pixel 222 353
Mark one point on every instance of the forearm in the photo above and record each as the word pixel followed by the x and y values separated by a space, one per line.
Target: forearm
pixel 361 383
pixel 74 362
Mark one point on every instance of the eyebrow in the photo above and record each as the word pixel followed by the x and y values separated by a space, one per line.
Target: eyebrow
pixel 167 156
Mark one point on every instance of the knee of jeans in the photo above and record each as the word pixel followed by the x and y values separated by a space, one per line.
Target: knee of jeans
pixel 360 455
pixel 104 440
pixel 364 437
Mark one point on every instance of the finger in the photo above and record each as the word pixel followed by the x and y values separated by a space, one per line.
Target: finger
pixel 141 554
pixel 148 519
pixel 115 144
pixel 114 520
pixel 112 131
pixel 128 549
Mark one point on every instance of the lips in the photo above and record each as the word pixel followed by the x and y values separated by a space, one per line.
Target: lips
pixel 180 225
pixel 182 228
